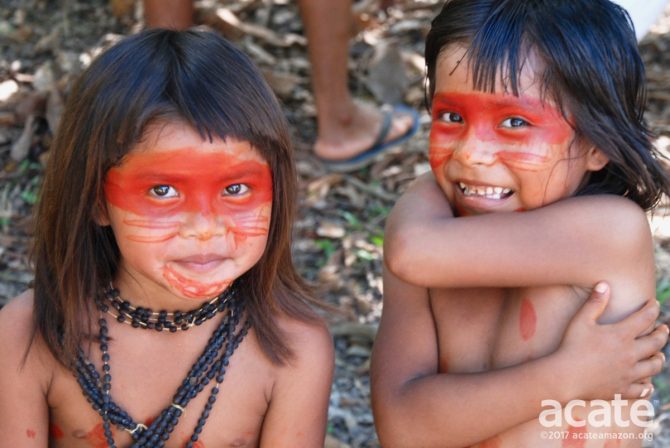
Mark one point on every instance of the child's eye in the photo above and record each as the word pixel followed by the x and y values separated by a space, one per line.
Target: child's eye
pixel 514 122
pixel 451 117
pixel 235 190
pixel 163 191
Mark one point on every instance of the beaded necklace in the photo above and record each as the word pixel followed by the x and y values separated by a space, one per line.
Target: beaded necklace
pixel 138 317
pixel 210 365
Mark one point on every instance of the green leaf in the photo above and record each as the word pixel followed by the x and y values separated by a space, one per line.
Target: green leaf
pixel 29 197
pixel 377 240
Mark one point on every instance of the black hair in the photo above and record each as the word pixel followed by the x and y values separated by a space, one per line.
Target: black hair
pixel 592 71
pixel 193 77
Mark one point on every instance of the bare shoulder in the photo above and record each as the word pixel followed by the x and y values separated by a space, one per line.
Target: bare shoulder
pixel 16 321
pixel 18 349
pixel 614 219
pixel 25 374
pixel 310 342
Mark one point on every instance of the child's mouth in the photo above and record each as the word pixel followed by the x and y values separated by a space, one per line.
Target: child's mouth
pixel 200 263
pixel 485 192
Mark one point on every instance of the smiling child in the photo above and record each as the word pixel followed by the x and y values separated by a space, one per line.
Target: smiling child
pixel 522 268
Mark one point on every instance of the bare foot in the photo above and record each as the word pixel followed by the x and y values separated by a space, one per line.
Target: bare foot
pixel 349 137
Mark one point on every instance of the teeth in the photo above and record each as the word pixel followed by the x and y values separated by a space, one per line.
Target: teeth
pixel 485 192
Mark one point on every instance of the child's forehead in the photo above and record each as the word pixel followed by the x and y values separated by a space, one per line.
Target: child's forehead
pixel 175 139
pixel 454 73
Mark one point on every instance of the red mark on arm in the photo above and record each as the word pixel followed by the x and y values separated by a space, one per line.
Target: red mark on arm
pixel 55 432
pixel 527 319
pixel 30 433
pixel 575 437
pixel 493 442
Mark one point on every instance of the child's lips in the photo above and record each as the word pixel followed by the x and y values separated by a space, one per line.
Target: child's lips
pixel 479 198
pixel 200 262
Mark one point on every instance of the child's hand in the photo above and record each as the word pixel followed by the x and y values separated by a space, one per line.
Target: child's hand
pixel 601 360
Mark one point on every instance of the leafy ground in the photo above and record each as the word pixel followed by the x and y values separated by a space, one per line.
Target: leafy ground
pixel 44 44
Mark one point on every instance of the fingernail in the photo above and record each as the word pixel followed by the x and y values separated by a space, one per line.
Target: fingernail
pixel 600 288
pixel 644 393
pixel 666 329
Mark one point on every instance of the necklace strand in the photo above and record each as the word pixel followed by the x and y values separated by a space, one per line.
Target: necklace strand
pixel 210 365
pixel 123 311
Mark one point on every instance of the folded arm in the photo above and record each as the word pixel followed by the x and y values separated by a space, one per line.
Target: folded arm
pixel 416 405
pixel 576 241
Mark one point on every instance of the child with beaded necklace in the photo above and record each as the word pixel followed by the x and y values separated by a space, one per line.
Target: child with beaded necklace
pixel 166 310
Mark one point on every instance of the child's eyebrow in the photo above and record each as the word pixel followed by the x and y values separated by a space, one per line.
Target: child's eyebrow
pixel 243 171
pixel 492 100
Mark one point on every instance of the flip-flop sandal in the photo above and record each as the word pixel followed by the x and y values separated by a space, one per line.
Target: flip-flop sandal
pixel 379 146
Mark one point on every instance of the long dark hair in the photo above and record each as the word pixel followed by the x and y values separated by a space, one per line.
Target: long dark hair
pixel 592 71
pixel 195 77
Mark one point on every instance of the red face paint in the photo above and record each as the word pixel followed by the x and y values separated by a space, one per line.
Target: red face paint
pixel 55 432
pixel 189 215
pixel 30 433
pixel 199 182
pixel 527 320
pixel 520 145
pixel 469 122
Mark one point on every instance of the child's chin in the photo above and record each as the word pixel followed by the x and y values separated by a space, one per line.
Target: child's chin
pixel 199 291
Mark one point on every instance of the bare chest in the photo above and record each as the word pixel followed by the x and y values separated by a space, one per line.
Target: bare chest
pixel 144 384
pixel 486 328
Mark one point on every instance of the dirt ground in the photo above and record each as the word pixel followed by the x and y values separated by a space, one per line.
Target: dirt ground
pixel 44 44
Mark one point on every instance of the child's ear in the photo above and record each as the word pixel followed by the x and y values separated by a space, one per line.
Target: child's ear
pixel 596 159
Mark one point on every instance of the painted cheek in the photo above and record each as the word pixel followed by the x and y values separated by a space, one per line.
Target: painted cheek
pixel 527 320
pixel 441 147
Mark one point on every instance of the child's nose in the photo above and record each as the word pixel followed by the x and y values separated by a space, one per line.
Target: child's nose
pixel 475 150
pixel 203 226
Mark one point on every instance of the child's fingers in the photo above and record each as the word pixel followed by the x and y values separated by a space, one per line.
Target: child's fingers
pixel 649 367
pixel 651 344
pixel 637 391
pixel 595 305
pixel 641 320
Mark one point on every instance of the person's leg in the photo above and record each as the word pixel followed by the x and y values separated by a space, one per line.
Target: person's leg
pixel 345 128
pixel 173 14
